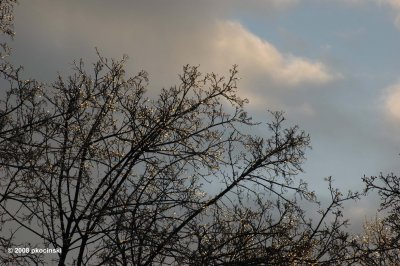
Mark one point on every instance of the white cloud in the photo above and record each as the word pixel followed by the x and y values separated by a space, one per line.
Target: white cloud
pixel 392 3
pixel 392 101
pixel 258 58
pixel 395 6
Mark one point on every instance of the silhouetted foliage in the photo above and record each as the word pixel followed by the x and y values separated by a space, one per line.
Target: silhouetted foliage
pixel 90 165
pixel 379 245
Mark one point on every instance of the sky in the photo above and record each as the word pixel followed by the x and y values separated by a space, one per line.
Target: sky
pixel 333 66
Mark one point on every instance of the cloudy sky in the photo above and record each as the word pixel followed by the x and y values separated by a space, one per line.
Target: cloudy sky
pixel 332 65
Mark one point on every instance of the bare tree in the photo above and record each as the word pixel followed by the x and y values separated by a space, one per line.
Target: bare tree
pixel 380 242
pixel 13 127
pixel 108 176
pixel 7 17
pixel 92 167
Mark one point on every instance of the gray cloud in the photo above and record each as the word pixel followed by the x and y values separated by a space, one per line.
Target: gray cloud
pixel 160 37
